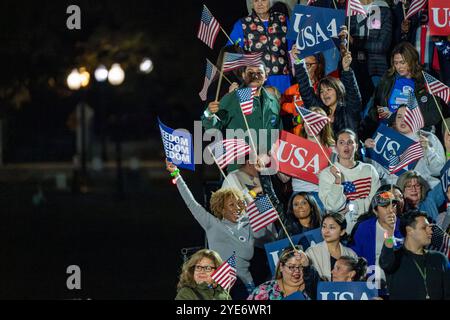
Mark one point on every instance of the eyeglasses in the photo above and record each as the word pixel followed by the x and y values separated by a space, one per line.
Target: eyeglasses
pixel 309 65
pixel 204 268
pixel 412 186
pixel 293 268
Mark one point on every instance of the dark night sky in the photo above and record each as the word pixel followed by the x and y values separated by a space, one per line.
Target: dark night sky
pixel 36 46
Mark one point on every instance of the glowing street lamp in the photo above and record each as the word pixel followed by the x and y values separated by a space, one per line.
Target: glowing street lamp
pixel 74 80
pixel 146 66
pixel 101 73
pixel 116 75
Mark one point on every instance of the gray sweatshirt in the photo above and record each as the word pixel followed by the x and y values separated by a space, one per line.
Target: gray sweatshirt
pixel 223 236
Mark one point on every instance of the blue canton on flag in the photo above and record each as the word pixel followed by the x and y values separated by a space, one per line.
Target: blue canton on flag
pixel 261 213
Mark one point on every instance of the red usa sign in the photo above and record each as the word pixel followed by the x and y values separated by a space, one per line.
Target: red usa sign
pixel 300 158
pixel 439 17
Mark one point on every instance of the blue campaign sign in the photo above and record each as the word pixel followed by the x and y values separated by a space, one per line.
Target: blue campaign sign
pixel 345 291
pixel 178 146
pixel 306 239
pixel 314 27
pixel 389 141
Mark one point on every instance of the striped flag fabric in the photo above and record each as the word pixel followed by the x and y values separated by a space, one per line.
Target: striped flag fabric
pixel 209 28
pixel 358 189
pixel 261 213
pixel 413 115
pixel 355 7
pixel 210 76
pixel 437 88
pixel 413 153
pixel 314 120
pixel 440 240
pixel 233 61
pixel 225 274
pixel 227 150
pixel 415 7
pixel 245 96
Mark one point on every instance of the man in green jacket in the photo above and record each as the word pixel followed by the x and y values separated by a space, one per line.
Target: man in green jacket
pixel 227 113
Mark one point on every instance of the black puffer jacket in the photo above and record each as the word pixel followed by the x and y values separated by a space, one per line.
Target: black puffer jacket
pixel 347 113
pixel 426 103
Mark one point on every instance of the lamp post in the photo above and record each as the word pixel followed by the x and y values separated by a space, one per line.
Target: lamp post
pixel 76 80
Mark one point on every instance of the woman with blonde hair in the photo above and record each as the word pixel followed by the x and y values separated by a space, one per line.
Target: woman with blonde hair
pixel 195 278
pixel 227 229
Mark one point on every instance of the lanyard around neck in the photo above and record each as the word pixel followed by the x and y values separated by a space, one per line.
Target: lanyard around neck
pixel 423 274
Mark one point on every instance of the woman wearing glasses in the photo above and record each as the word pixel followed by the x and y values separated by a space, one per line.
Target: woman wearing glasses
pixel 419 195
pixel 293 275
pixel 195 278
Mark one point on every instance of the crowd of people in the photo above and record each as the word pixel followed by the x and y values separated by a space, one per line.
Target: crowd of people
pixel 385 232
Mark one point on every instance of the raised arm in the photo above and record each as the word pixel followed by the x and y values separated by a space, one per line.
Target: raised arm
pixel 200 214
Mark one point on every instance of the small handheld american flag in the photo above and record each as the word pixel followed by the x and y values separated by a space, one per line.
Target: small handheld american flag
pixel 440 240
pixel 228 150
pixel 314 120
pixel 225 274
pixel 210 75
pixel 415 7
pixel 245 96
pixel 413 115
pixel 209 28
pixel 355 7
pixel 437 88
pixel 233 61
pixel 413 153
pixel 261 213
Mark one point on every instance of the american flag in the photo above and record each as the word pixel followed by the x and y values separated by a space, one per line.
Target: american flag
pixel 210 75
pixel 226 151
pixel 261 213
pixel 437 88
pixel 233 61
pixel 355 7
pixel 209 28
pixel 440 240
pixel 358 189
pixel 314 120
pixel 413 115
pixel 415 7
pixel 245 96
pixel 413 153
pixel 225 274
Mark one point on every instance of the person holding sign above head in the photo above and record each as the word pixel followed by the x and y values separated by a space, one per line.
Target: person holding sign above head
pixel 324 255
pixel 195 278
pixel 293 276
pixel 227 230
pixel 433 158
pixel 340 99
pixel 412 272
pixel 349 185
pixel 265 30
pixel 347 269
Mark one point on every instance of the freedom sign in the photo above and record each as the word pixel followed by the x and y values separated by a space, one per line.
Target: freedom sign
pixel 178 146
pixel 314 27
pixel 299 157
pixel 305 239
pixel 439 17
pixel 389 141
pixel 345 291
